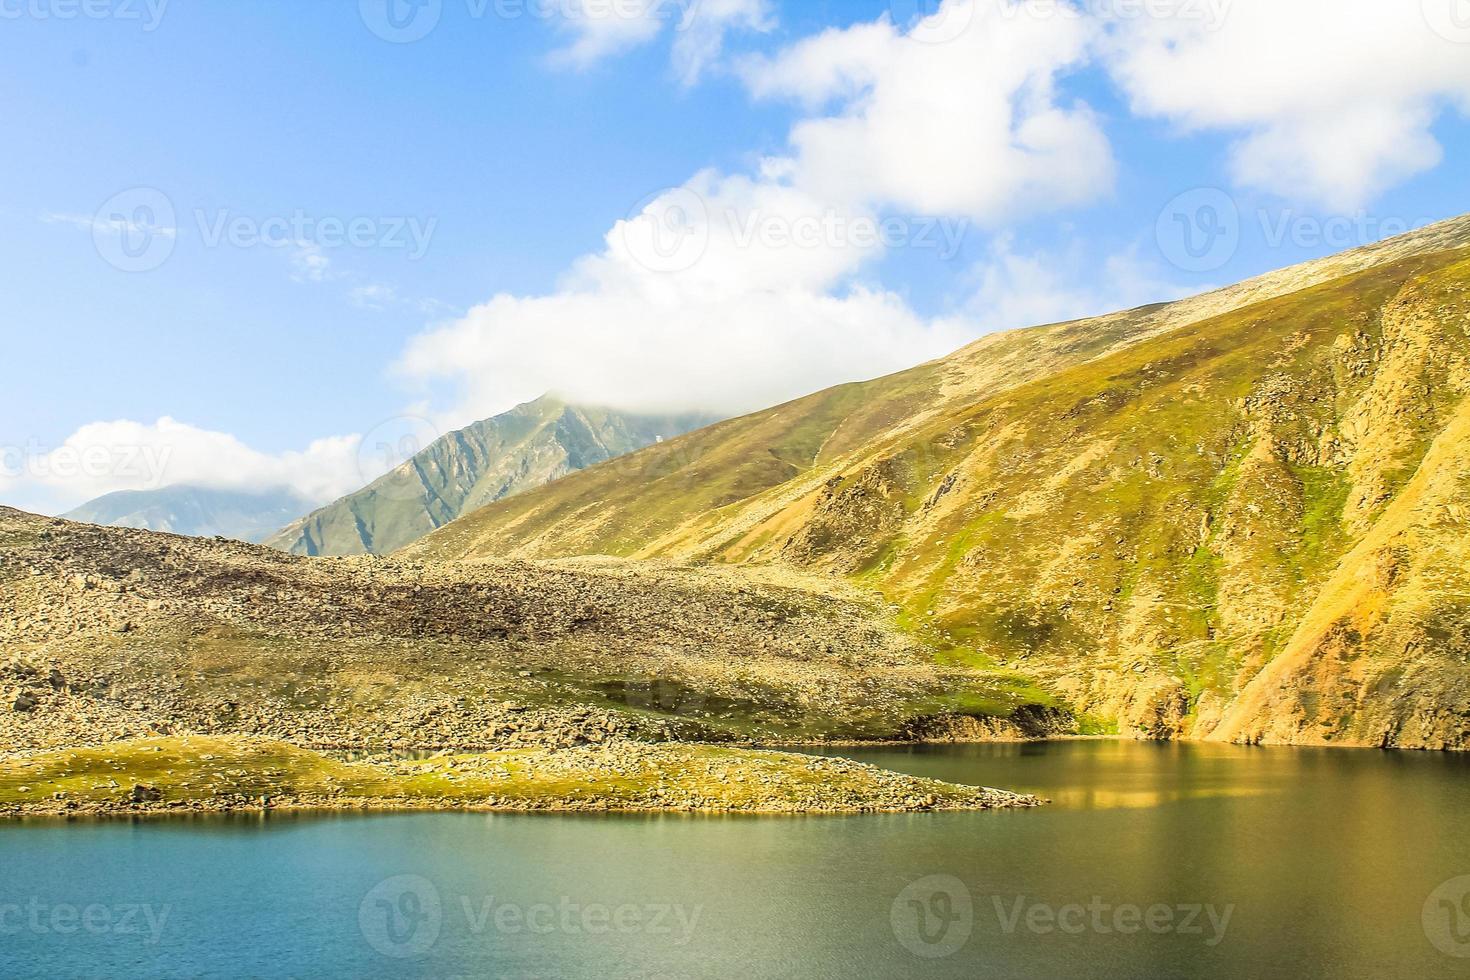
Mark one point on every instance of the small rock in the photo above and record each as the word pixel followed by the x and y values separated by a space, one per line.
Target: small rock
pixel 145 794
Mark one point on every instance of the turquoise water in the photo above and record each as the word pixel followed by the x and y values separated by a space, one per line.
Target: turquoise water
pixel 1153 861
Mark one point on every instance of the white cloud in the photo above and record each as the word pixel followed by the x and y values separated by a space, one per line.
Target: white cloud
pixel 98 225
pixel 968 125
pixel 1014 289
pixel 753 302
pixel 699 39
pixel 103 457
pixel 601 29
pixel 373 296
pixel 1332 100
pixel 734 292
pixel 309 263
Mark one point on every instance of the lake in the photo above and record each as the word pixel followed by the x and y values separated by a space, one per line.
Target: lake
pixel 1154 860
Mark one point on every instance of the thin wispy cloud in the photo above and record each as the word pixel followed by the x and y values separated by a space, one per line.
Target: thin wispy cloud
pixel 114 225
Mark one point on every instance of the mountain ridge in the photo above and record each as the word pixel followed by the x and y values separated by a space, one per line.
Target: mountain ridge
pixel 530 445
pixel 1133 510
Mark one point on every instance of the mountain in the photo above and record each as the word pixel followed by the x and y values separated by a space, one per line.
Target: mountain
pixel 109 633
pixel 526 447
pixel 196 511
pixel 145 669
pixel 1241 516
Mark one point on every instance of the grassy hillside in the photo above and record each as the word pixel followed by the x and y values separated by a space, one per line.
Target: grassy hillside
pixel 1242 516
pixel 524 448
pixel 212 773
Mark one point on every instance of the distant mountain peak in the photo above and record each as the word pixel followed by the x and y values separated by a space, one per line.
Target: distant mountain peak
pixel 520 449
pixel 196 511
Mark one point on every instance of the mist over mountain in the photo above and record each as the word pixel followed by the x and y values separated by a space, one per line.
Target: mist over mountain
pixel 196 511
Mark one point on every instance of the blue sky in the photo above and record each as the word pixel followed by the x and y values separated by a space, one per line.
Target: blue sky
pixel 514 144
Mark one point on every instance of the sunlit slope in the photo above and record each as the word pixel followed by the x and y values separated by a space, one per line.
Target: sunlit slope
pixel 712 485
pixel 1144 533
pixel 665 498
pixel 1141 517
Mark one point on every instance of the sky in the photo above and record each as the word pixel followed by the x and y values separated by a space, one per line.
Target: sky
pixel 282 244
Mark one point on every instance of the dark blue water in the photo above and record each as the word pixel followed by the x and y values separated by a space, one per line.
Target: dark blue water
pixel 1154 861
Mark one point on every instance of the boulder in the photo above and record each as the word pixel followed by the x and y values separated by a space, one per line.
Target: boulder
pixel 145 794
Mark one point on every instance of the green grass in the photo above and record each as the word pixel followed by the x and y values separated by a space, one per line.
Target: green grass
pixel 238 771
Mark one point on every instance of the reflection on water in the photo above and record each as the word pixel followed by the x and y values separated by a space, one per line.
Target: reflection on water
pixel 1107 774
pixel 1153 861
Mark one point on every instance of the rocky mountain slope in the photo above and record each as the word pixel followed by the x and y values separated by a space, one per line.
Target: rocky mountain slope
pixel 110 634
pixel 196 511
pixel 151 672
pixel 527 447
pixel 1243 516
